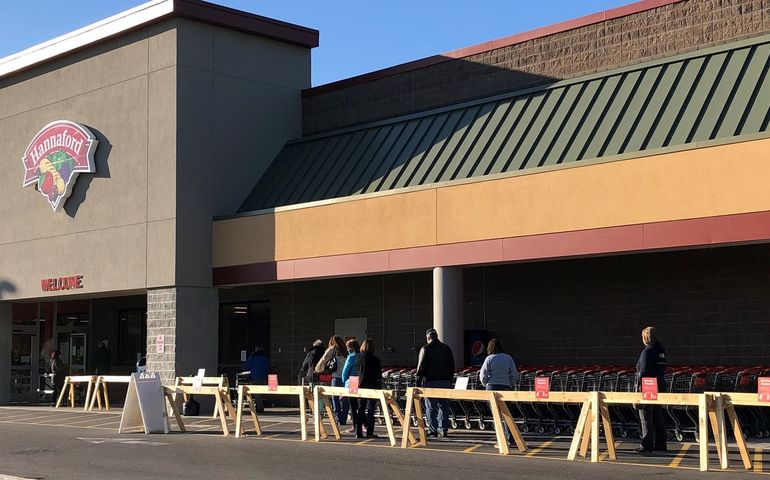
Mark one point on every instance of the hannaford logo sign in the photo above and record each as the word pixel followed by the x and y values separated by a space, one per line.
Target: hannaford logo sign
pixel 55 157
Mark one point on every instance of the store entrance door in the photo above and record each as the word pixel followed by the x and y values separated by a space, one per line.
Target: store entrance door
pixel 24 364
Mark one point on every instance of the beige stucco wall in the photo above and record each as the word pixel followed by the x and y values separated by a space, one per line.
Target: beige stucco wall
pixel 188 116
pixel 703 182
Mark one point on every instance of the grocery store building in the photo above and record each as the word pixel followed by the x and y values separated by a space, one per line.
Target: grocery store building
pixel 189 197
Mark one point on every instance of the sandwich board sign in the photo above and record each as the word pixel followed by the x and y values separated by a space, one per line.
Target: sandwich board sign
pixel 145 406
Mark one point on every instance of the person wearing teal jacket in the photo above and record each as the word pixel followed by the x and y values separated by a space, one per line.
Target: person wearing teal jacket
pixel 349 370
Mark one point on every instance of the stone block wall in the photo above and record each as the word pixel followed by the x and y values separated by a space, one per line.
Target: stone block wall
pixel 662 31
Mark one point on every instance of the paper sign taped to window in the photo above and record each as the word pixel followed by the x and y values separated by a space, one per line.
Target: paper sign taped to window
pixel 461 383
pixel 649 388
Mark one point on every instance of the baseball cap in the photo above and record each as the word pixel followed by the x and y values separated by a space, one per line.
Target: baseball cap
pixel 318 342
pixel 431 331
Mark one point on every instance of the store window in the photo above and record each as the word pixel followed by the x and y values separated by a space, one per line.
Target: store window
pixel 242 326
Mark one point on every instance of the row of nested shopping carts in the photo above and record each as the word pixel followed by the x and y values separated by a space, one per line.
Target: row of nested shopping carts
pixel 558 418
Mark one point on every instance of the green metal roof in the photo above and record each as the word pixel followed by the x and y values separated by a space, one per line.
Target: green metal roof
pixel 712 94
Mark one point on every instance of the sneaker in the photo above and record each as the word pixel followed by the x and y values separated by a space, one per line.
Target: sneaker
pixel 372 435
pixel 443 434
pixel 432 435
pixel 643 450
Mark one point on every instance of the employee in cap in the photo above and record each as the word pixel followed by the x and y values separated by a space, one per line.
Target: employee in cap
pixel 436 367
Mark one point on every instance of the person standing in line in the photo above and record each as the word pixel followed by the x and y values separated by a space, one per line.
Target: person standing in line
pixel 652 363
pixel 350 370
pixel 370 376
pixel 59 372
pixel 498 372
pixel 436 367
pixel 102 359
pixel 333 361
pixel 309 377
pixel 258 365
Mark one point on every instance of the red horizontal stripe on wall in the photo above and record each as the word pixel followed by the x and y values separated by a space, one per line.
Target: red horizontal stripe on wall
pixel 711 231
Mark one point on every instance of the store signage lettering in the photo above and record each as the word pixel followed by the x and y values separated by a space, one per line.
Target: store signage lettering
pixel 649 388
pixel 54 158
pixel 72 282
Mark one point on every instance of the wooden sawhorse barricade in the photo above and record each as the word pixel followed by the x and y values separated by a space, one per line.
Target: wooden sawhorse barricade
pixel 728 404
pixel 219 382
pixel 387 404
pixel 100 387
pixel 710 414
pixel 305 399
pixel 221 401
pixel 70 382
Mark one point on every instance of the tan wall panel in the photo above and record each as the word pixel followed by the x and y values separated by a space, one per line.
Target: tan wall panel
pixel 244 240
pixel 697 183
pixel 110 260
pixel 705 182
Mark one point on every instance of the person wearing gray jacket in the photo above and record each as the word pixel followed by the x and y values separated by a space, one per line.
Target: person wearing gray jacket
pixel 498 372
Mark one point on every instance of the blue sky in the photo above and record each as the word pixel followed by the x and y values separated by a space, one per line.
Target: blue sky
pixel 357 36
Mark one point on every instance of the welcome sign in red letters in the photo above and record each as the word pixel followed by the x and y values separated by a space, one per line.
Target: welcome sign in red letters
pixel 649 388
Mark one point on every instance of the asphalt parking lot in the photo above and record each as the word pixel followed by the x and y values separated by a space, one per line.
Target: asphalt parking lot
pixel 40 442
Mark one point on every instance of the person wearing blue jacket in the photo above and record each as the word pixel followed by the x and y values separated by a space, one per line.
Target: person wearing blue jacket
pixel 258 365
pixel 498 372
pixel 350 370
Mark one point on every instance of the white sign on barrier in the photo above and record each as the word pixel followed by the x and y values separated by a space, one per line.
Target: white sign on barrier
pixel 461 383
pixel 145 405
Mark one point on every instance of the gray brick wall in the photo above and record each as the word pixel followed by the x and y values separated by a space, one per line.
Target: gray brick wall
pixel 631 39
pixel 188 319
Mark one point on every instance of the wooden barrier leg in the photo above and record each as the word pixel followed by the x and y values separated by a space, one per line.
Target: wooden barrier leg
pixel 303 416
pixel 724 460
pixel 388 420
pixel 420 420
pixel 400 417
pixel 595 418
pixel 712 415
pixel 581 423
pixel 316 414
pixel 228 403
pixel 406 423
pixel 502 442
pixel 330 416
pixel 703 433
pixel 89 389
pixel 738 432
pixel 101 387
pixel 61 394
pixel 587 434
pixel 172 402
pixel 239 413
pixel 608 435
pixel 221 413
pixel 72 395
pixel 508 418
pixel 106 397
pixel 90 404
pixel 253 413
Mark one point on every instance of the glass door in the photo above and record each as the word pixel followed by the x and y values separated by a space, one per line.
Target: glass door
pixel 24 364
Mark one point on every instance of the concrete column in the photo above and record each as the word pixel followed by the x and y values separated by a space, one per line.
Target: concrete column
pixel 6 330
pixel 188 319
pixel 448 309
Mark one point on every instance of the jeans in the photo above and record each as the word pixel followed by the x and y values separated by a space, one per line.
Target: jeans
pixel 365 416
pixel 438 418
pixel 501 387
pixel 653 427
pixel 340 404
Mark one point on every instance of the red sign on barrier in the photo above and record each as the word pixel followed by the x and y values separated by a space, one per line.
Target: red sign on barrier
pixel 542 387
pixel 353 385
pixel 763 389
pixel 649 388
pixel 272 382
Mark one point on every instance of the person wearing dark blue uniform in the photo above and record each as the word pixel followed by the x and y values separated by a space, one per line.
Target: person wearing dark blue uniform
pixel 652 363
pixel 258 365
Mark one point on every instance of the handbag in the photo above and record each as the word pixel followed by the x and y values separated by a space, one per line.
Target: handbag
pixel 331 365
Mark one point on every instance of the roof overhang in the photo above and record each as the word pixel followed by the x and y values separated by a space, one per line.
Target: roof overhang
pixel 153 12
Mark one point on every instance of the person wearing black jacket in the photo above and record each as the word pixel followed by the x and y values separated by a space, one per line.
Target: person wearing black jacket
pixel 369 376
pixel 652 363
pixel 311 360
pixel 436 367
